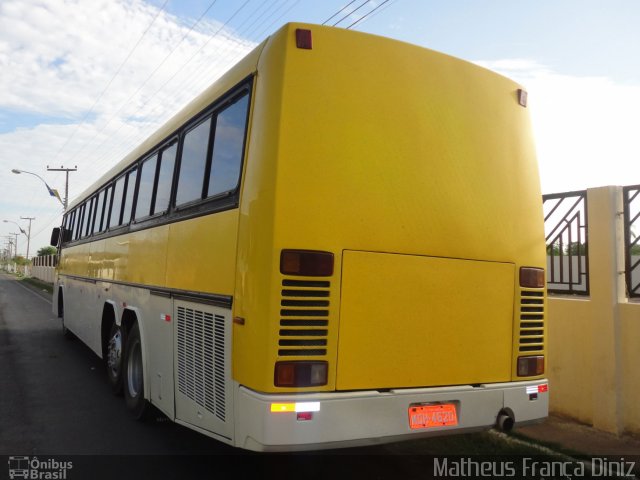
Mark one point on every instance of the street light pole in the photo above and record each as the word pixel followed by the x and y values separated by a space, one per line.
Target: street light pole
pixel 66 185
pixel 52 192
pixel 22 232
pixel 28 234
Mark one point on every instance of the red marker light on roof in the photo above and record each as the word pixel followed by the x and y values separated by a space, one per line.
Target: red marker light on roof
pixel 303 38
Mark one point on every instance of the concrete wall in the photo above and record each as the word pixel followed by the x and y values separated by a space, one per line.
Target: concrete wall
pixel 594 342
pixel 43 268
pixel 46 274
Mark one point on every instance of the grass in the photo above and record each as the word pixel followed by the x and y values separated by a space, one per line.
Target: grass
pixel 39 284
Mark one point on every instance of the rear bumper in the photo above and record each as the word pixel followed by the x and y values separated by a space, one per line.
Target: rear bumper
pixel 347 419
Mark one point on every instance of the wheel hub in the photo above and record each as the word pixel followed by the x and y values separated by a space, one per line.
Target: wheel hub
pixel 114 352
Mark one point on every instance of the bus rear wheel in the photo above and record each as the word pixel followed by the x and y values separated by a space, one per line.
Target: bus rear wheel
pixel 113 358
pixel 133 375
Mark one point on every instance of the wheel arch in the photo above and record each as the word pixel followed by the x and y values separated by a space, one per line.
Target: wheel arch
pixel 60 302
pixel 108 318
pixel 132 316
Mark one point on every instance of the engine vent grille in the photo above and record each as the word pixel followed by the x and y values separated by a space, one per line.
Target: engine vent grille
pixel 531 321
pixel 201 362
pixel 304 318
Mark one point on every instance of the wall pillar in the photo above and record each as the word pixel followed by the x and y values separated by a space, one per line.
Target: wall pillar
pixel 606 291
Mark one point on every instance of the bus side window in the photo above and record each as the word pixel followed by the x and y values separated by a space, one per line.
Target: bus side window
pixel 92 214
pixel 116 206
pixel 165 178
pixel 97 219
pixel 193 162
pixel 227 147
pixel 107 208
pixel 145 190
pixel 128 196
pixel 72 220
pixel 79 217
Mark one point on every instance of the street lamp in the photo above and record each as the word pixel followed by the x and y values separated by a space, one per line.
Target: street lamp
pixel 52 191
pixel 28 235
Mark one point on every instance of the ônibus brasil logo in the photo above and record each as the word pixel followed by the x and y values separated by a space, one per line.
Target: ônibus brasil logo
pixel 35 469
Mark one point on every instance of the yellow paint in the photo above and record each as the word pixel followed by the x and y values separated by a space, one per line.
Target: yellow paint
pixel 361 143
pixel 201 254
pixel 593 341
pixel 408 321
pixel 630 373
pixel 364 143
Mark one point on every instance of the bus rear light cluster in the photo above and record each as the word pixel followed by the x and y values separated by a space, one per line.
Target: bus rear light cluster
pixel 531 277
pixel 530 366
pixel 300 374
pixel 309 263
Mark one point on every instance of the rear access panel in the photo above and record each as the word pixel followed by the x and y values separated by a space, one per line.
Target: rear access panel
pixel 416 321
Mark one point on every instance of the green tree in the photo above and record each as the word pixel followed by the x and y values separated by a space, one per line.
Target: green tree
pixel 20 260
pixel 553 249
pixel 47 251
pixel 576 248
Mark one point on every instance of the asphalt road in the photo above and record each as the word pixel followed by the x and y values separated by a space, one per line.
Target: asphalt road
pixel 55 402
pixel 54 397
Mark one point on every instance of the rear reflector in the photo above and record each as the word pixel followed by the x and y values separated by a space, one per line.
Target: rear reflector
pixel 531 277
pixel 308 263
pixel 522 97
pixel 303 38
pixel 530 366
pixel 300 374
pixel 295 407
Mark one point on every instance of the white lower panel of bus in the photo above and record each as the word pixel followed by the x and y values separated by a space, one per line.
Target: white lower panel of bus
pixel 335 420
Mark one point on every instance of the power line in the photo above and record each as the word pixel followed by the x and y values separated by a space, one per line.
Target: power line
pixel 351 12
pixel 193 80
pixel 179 70
pixel 262 33
pixel 112 79
pixel 365 16
pixel 339 11
pixel 126 102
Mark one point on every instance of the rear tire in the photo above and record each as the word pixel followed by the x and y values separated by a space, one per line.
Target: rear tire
pixel 133 375
pixel 113 358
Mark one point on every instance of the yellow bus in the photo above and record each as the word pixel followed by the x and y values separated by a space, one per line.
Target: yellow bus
pixel 340 242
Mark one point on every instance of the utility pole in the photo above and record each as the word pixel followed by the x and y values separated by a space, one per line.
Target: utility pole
pixel 9 245
pixel 29 232
pixel 16 243
pixel 66 185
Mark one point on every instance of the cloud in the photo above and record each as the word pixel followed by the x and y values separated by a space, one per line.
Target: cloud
pixel 56 59
pixel 585 127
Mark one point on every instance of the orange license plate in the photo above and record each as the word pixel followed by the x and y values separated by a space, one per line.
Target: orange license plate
pixel 429 416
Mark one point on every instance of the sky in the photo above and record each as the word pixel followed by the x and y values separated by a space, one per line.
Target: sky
pixel 82 83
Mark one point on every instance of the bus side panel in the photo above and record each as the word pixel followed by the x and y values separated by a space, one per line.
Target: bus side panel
pixel 203 388
pixel 80 297
pixel 80 313
pixel 201 254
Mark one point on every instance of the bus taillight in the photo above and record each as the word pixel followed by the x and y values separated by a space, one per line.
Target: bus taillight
pixel 531 277
pixel 530 366
pixel 300 374
pixel 309 263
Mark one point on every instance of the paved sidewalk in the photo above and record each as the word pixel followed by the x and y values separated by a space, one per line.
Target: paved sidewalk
pixel 571 436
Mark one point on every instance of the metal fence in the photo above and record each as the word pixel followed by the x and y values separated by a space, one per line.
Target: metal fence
pixel 631 201
pixel 565 222
pixel 45 261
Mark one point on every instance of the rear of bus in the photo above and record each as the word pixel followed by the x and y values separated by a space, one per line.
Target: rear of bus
pixel 391 248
